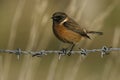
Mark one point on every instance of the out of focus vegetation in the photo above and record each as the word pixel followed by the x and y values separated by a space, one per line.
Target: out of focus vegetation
pixel 27 24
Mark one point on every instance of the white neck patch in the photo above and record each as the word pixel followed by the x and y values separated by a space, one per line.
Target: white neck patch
pixel 66 19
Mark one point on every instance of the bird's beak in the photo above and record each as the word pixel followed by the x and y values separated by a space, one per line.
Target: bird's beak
pixel 52 17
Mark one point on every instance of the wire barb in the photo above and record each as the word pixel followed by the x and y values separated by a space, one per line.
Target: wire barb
pixel 18 53
pixel 39 53
pixel 83 52
pixel 105 51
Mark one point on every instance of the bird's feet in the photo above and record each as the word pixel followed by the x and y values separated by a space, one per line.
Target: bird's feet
pixel 69 53
pixel 65 51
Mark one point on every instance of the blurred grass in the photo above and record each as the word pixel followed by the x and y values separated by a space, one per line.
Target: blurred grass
pixel 26 24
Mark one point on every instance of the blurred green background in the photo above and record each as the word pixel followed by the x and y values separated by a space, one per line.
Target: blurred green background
pixel 27 24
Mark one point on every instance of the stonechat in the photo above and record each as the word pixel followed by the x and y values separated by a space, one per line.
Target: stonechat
pixel 69 31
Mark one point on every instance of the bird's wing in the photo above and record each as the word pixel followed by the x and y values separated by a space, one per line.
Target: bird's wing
pixel 72 25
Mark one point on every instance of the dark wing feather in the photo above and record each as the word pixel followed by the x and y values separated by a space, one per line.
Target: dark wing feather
pixel 72 25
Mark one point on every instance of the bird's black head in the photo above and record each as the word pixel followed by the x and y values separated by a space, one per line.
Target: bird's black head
pixel 59 17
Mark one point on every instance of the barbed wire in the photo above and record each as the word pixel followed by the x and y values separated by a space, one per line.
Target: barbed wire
pixel 103 51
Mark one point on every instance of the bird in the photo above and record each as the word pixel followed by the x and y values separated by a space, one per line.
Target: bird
pixel 68 30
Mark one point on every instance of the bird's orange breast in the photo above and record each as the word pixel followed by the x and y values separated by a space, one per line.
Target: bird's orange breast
pixel 65 34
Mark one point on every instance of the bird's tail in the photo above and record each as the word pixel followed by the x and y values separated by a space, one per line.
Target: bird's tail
pixel 94 32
